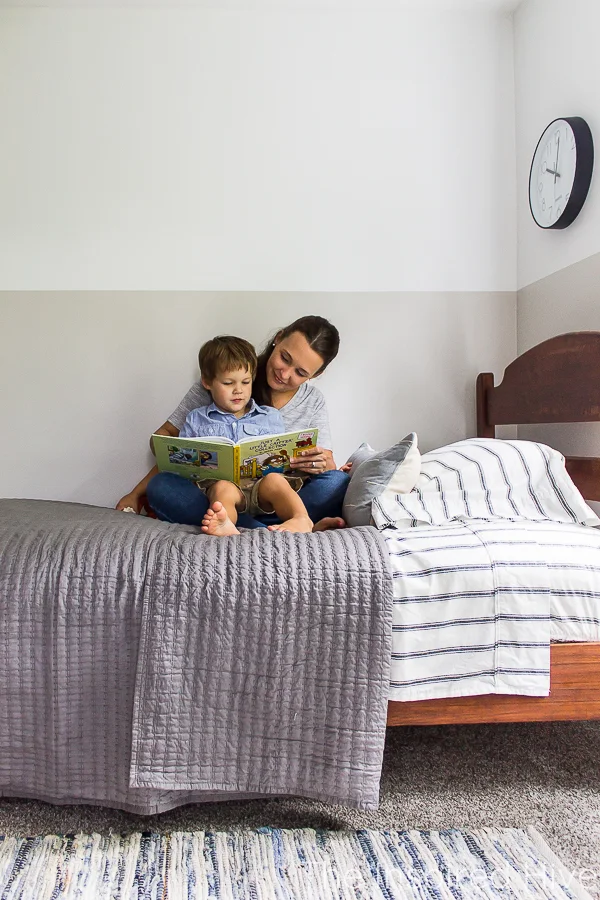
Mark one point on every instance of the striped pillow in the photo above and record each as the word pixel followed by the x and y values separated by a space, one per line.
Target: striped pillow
pixel 483 478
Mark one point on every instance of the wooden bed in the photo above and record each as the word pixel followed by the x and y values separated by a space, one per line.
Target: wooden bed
pixel 556 382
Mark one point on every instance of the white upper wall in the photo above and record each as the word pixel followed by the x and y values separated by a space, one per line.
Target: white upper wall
pixel 258 149
pixel 302 5
pixel 557 73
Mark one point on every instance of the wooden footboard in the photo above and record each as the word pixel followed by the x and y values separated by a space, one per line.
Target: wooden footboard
pixel 574 694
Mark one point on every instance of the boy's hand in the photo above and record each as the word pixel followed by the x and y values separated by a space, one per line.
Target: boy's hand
pixel 311 462
pixel 347 467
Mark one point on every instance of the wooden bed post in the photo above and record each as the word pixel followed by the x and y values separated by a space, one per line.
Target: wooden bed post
pixel 485 383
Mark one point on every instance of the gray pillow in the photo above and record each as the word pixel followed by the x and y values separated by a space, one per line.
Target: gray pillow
pixel 372 472
pixel 362 453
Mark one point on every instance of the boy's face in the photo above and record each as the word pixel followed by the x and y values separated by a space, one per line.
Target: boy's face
pixel 231 391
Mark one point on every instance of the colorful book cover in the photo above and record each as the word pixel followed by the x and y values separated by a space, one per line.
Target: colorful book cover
pixel 221 459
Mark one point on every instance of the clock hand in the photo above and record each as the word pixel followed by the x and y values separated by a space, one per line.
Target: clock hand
pixel 556 164
pixel 552 172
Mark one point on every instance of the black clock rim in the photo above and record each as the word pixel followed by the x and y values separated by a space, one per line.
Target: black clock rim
pixel 584 142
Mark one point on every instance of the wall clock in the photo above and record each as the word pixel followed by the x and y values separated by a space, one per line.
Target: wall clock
pixel 561 172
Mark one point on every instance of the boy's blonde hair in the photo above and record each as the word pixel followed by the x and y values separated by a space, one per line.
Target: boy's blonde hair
pixel 226 353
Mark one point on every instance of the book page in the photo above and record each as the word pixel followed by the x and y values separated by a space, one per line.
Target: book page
pixel 272 453
pixel 195 458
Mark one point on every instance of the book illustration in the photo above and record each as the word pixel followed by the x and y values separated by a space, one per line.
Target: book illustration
pixel 189 456
pixel 221 459
pixel 305 441
pixel 257 466
pixel 276 462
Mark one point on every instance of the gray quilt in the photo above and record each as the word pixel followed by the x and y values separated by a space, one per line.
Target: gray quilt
pixel 144 666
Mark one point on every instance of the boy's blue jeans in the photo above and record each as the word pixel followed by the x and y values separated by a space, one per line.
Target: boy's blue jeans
pixel 177 499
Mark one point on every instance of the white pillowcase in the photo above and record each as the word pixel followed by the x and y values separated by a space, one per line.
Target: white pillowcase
pixel 485 478
pixel 406 473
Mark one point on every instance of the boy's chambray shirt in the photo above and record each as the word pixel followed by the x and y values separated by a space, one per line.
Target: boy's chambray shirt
pixel 210 421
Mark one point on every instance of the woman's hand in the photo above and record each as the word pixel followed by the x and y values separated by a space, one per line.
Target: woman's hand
pixel 313 461
pixel 134 499
pixel 131 501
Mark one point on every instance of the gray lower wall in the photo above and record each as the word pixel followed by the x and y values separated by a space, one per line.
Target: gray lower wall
pixel 87 376
pixel 568 300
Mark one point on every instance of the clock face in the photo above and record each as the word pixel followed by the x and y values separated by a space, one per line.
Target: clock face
pixel 561 172
pixel 553 173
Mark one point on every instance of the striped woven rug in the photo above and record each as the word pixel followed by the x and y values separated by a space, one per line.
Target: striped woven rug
pixel 276 864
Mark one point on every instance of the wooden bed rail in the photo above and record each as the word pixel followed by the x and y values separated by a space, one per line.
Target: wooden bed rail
pixel 574 695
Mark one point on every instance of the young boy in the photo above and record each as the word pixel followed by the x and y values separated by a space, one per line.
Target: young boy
pixel 227 368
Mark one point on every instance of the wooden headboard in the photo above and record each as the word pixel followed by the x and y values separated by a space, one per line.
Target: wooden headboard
pixel 558 381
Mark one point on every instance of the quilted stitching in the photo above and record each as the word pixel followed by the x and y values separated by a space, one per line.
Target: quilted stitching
pixel 80 587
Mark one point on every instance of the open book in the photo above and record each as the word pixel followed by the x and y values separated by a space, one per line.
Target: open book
pixel 221 459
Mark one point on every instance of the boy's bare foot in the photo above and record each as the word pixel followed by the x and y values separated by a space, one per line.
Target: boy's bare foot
pixel 329 523
pixel 217 522
pixel 298 523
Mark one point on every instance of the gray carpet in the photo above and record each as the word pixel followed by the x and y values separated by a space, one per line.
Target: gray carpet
pixel 471 776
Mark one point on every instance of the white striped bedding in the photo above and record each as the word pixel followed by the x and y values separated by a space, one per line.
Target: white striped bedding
pixel 490 563
pixel 476 604
pixel 484 478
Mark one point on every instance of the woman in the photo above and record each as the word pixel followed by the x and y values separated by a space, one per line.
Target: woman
pixel 298 353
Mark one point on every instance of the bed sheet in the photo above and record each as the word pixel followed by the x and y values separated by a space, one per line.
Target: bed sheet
pixel 477 602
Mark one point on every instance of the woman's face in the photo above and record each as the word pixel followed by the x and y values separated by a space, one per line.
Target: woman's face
pixel 292 362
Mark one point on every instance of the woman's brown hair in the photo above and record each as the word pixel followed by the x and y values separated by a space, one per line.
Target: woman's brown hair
pixel 321 336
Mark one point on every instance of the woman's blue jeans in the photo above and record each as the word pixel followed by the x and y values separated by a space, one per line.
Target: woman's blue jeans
pixel 177 499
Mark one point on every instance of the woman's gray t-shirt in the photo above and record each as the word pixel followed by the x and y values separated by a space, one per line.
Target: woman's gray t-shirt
pixel 306 409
